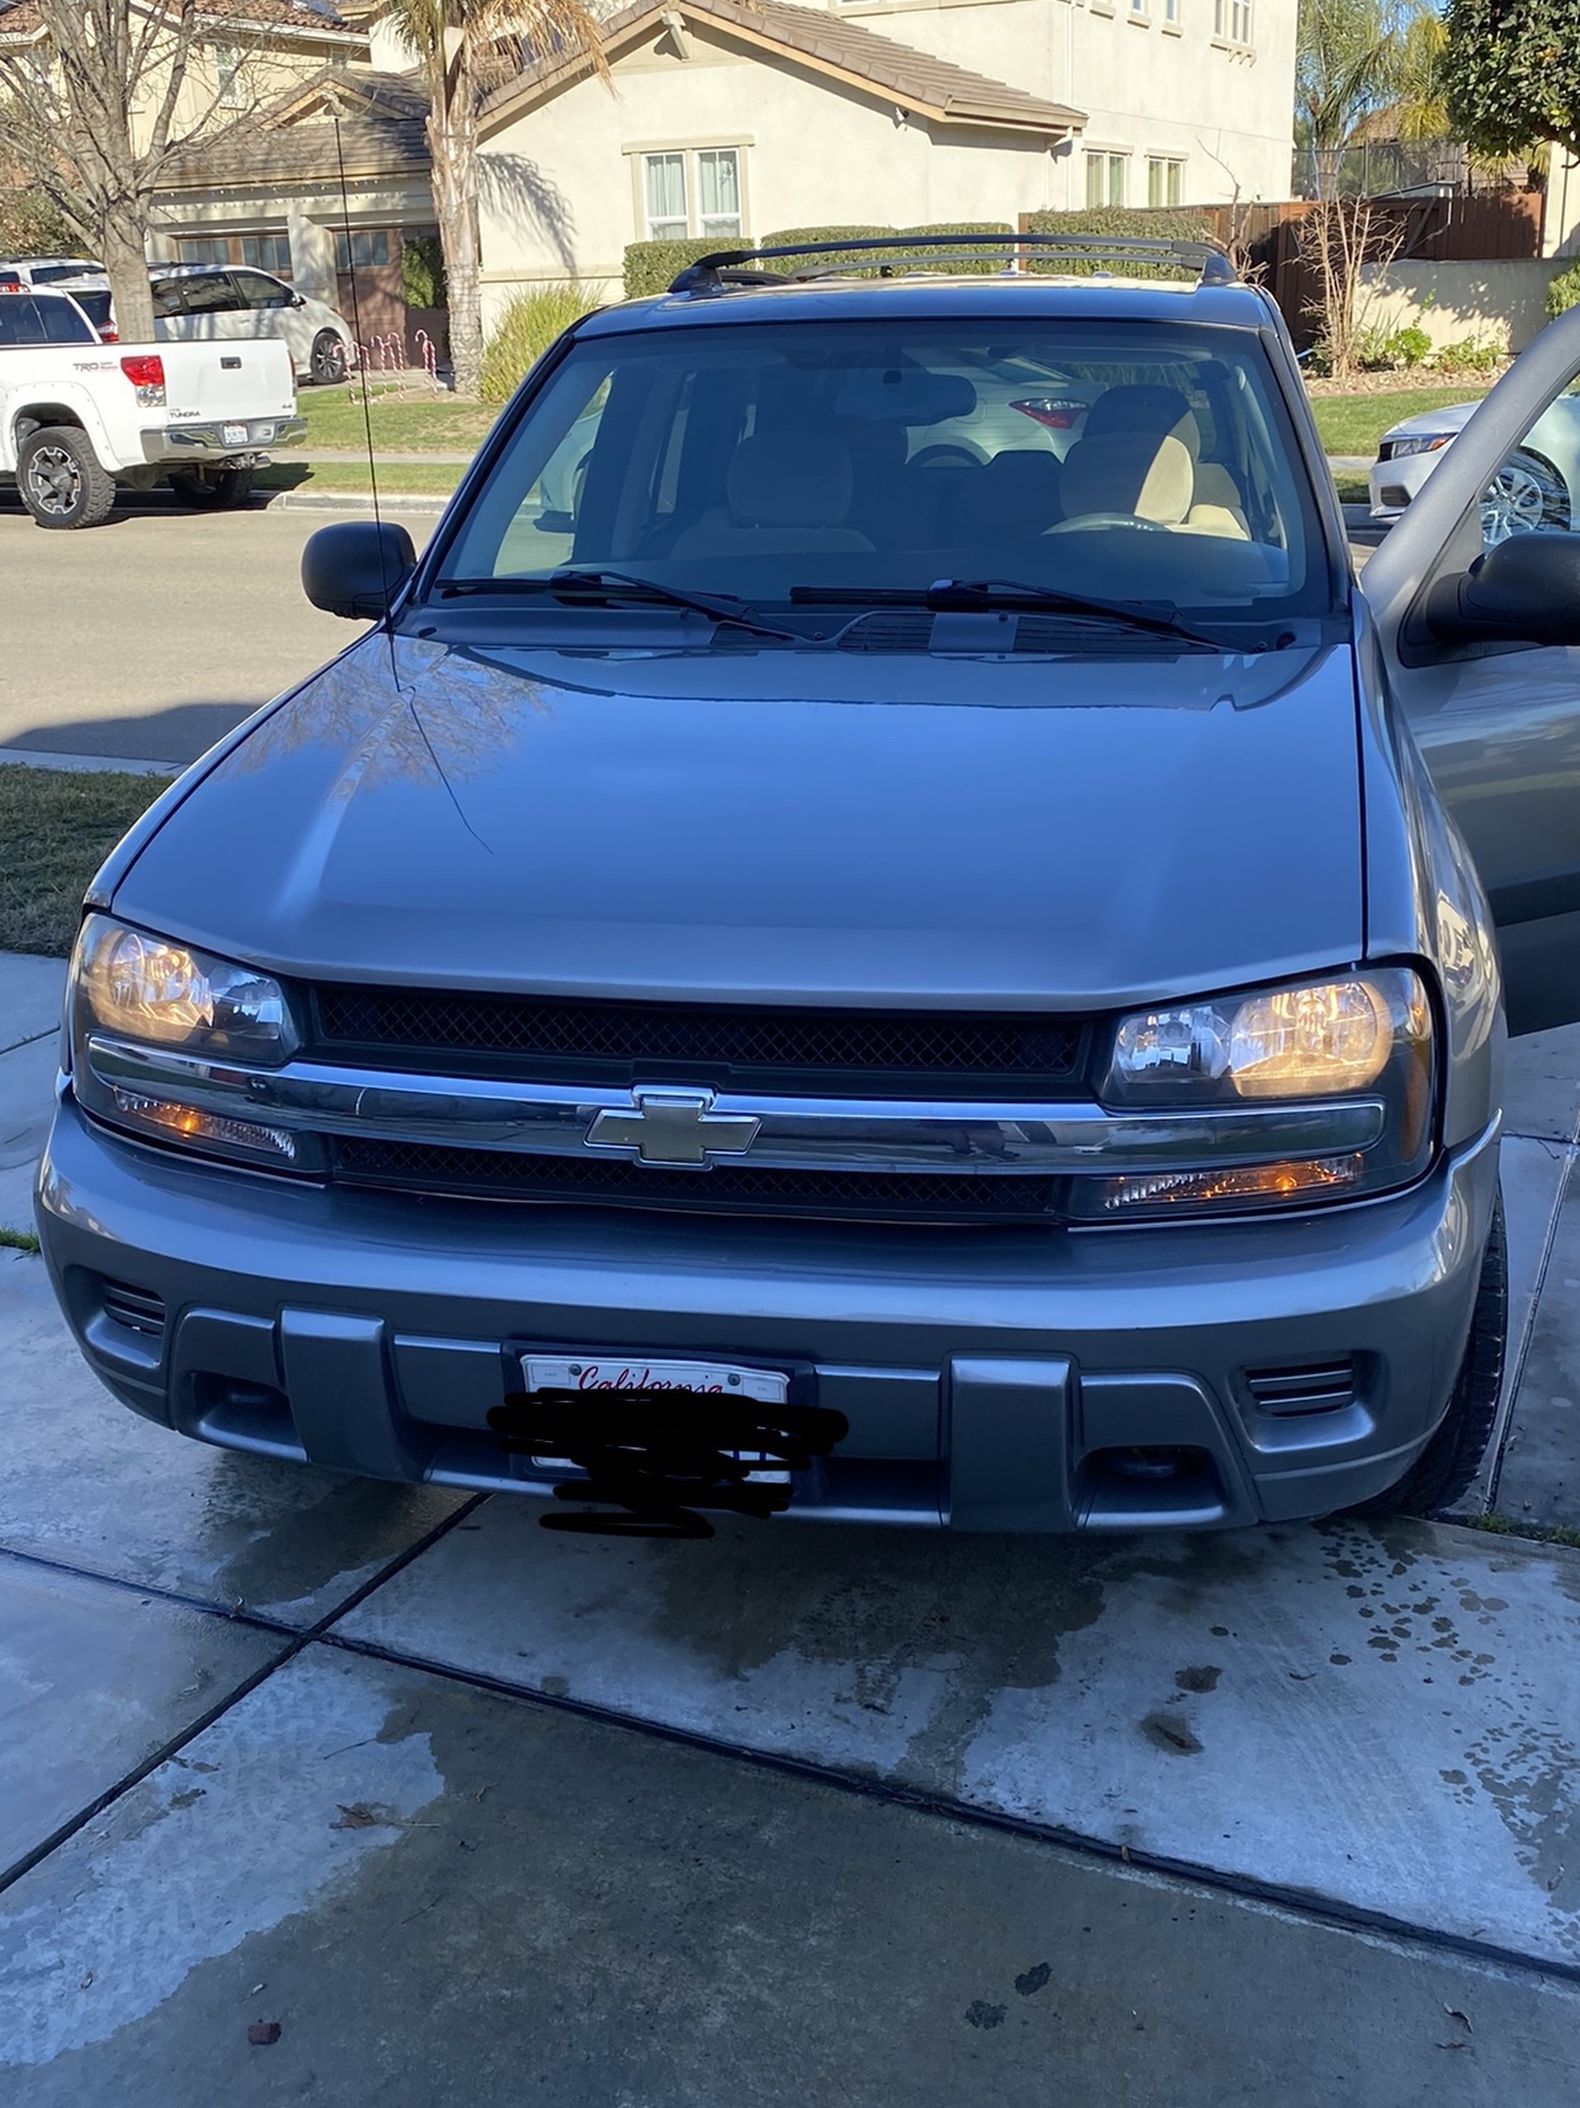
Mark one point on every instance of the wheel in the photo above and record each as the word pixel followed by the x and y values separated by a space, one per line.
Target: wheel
pixel 1527 493
pixel 60 479
pixel 212 489
pixel 329 358
pixel 1453 1456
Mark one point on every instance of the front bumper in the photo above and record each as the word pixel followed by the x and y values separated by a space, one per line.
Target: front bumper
pixel 992 1378
pixel 172 446
pixel 1396 484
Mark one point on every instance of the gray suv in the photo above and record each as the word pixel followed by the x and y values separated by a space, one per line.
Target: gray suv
pixel 786 972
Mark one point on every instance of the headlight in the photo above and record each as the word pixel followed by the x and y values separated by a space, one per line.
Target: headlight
pixel 1416 443
pixel 143 988
pixel 145 992
pixel 1357 1036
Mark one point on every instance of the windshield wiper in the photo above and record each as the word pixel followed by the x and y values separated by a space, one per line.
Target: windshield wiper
pixel 595 585
pixel 970 593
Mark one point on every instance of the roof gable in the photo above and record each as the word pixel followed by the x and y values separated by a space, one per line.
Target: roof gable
pixel 843 51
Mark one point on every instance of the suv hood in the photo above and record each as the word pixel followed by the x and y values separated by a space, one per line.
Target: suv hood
pixel 1072 833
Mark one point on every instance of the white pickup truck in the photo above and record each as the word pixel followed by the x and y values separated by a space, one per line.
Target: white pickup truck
pixel 80 418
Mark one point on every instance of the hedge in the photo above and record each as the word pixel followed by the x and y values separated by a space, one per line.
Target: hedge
pixel 1147 222
pixel 650 266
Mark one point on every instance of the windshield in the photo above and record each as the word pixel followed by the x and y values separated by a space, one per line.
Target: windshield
pixel 1129 462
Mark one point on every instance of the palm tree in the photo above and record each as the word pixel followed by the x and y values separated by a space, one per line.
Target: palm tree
pixel 1355 57
pixel 467 48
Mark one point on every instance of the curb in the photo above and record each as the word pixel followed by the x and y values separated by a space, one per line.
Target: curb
pixel 353 501
pixel 107 764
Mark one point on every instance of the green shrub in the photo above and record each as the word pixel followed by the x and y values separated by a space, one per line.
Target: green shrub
pixel 1380 350
pixel 970 262
pixel 787 237
pixel 422 270
pixel 526 330
pixel 1470 355
pixel 1144 222
pixel 651 266
pixel 1564 291
pixel 30 226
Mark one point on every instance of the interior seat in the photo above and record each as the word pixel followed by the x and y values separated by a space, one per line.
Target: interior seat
pixel 1137 410
pixel 786 494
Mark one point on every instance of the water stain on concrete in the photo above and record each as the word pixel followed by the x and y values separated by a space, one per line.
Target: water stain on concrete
pixel 1171 1733
pixel 1204 1678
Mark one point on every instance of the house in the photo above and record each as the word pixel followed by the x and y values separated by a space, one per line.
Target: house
pixel 739 117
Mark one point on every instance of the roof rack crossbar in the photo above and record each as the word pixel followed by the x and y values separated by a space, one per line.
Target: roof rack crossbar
pixel 710 274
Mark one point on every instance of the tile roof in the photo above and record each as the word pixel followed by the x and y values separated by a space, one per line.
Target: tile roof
pixel 318 17
pixel 933 87
pixel 281 156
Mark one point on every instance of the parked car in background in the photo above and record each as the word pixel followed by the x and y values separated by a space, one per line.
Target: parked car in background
pixel 81 418
pixel 47 270
pixel 196 302
pixel 92 294
pixel 1538 486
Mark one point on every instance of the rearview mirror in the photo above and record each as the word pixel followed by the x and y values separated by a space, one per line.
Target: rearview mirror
pixel 1525 590
pixel 356 568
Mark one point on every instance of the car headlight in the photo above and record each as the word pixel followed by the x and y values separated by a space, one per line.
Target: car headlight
pixel 1416 443
pixel 139 991
pixel 1365 1036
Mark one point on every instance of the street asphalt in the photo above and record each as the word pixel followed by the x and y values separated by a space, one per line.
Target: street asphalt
pixel 150 637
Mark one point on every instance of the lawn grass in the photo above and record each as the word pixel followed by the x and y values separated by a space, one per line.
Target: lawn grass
pixel 18 1240
pixel 407 423
pixel 419 478
pixel 1353 424
pixel 1353 486
pixel 56 827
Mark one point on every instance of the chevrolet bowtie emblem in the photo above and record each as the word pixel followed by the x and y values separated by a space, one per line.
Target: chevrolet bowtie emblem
pixel 673 1127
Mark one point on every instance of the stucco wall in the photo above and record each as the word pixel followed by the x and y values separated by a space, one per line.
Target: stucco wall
pixel 1496 301
pixel 558 189
pixel 1146 87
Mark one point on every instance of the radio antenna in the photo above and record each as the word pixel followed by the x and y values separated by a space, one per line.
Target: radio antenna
pixel 367 410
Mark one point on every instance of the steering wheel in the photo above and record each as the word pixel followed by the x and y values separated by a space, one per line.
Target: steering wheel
pixel 1107 519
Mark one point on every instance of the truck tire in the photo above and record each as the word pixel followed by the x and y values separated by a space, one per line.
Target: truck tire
pixel 1453 1456
pixel 61 481
pixel 212 489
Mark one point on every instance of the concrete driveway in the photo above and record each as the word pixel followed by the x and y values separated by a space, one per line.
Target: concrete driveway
pixel 324 1790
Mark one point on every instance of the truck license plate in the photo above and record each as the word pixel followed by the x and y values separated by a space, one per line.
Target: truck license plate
pixel 233 435
pixel 716 1379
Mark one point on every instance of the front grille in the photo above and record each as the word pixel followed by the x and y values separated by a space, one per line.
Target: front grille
pixel 944 1053
pixel 725 1189
pixel 138 1309
pixel 1318 1387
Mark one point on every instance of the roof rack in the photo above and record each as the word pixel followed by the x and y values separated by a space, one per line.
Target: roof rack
pixel 727 267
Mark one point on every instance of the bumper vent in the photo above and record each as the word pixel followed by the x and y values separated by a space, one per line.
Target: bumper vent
pixel 138 1309
pixel 948 1053
pixel 725 1190
pixel 1316 1387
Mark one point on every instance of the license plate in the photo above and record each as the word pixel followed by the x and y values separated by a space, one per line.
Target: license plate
pixel 233 435
pixel 600 1376
pixel 595 1373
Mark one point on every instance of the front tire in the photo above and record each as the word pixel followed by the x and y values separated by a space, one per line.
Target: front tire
pixel 212 489
pixel 1527 494
pixel 62 483
pixel 328 364
pixel 1452 1458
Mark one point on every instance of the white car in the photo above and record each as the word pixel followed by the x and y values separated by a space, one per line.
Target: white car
pixel 45 270
pixel 1538 486
pixel 195 302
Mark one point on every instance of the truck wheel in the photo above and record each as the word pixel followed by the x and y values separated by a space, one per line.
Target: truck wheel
pixel 1453 1456
pixel 61 481
pixel 212 489
pixel 329 358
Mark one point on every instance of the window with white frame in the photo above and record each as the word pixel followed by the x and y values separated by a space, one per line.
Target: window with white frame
pixel 232 87
pixel 1140 9
pixel 1165 179
pixel 694 190
pixel 1171 13
pixel 1105 179
pixel 1231 21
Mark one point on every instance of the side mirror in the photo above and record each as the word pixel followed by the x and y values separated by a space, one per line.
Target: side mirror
pixel 356 568
pixel 1525 590
pixel 298 300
